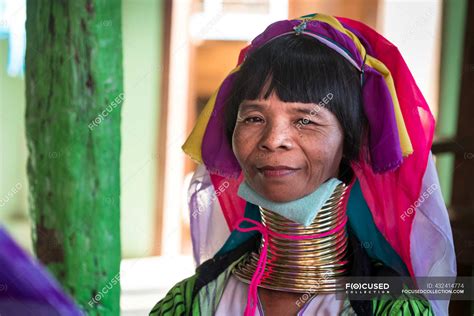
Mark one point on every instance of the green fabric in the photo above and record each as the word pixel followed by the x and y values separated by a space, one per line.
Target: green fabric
pixel 178 300
pixel 413 305
pixel 362 224
pixel 390 307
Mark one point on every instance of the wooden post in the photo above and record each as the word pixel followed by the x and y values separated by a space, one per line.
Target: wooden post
pixel 74 92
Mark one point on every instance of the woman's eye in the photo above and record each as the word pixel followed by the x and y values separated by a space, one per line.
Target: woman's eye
pixel 253 119
pixel 304 121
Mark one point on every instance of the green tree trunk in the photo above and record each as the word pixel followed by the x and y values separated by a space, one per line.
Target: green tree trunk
pixel 74 92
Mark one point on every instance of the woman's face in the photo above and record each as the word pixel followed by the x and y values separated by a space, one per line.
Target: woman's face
pixel 286 149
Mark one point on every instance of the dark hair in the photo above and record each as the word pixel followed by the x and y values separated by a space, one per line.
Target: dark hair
pixel 301 69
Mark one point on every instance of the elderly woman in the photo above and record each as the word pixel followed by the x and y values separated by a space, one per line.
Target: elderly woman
pixel 315 151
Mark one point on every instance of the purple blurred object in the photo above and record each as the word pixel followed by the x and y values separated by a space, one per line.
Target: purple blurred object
pixel 26 288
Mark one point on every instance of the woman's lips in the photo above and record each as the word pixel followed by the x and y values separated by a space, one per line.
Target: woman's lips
pixel 276 171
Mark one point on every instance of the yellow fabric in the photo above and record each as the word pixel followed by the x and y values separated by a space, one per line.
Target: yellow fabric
pixel 405 142
pixel 193 144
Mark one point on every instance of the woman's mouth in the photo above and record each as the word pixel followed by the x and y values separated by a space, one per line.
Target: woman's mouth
pixel 276 171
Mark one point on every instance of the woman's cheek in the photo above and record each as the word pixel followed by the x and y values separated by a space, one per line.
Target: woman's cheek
pixel 240 145
pixel 247 156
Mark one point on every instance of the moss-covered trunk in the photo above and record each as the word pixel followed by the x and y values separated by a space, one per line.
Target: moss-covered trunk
pixel 74 93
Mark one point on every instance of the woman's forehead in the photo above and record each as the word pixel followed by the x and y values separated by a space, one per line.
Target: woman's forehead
pixel 274 102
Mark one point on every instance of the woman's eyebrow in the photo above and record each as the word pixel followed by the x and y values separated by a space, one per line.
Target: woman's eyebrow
pixel 251 105
pixel 311 111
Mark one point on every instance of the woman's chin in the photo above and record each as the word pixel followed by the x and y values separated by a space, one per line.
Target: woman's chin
pixel 282 195
pixel 279 190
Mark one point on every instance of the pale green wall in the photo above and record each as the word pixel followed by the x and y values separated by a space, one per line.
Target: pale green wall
pixel 142 36
pixel 14 213
pixel 454 19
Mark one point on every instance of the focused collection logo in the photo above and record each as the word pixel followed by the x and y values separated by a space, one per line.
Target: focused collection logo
pixel 367 288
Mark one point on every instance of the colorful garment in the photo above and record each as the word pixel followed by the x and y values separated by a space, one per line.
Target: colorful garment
pixel 235 295
pixel 204 293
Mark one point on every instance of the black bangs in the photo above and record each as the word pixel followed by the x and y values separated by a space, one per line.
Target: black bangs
pixel 298 68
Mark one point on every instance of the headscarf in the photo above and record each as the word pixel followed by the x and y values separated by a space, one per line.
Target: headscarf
pixel 391 183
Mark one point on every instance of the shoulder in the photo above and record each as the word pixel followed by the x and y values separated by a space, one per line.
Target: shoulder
pixel 178 300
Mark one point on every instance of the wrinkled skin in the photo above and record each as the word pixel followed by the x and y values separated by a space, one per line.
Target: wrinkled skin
pixel 305 137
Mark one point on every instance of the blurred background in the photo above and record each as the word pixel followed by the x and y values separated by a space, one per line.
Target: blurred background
pixel 176 53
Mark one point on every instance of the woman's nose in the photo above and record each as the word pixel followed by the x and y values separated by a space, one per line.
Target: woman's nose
pixel 275 137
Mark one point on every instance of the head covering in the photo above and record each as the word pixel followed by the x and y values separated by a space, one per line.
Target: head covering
pixel 389 182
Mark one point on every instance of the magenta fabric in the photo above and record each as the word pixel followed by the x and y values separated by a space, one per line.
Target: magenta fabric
pixel 217 153
pixel 233 206
pixel 391 194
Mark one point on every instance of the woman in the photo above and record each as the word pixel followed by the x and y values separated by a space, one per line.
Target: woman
pixel 316 152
